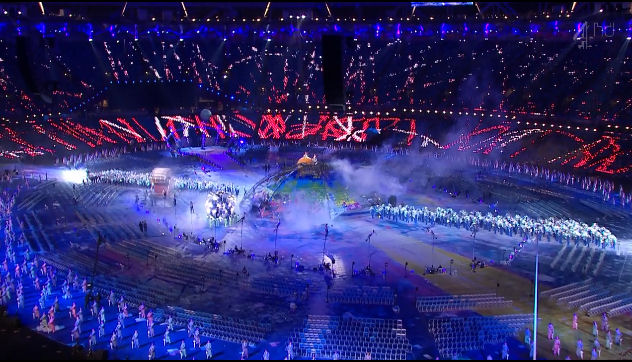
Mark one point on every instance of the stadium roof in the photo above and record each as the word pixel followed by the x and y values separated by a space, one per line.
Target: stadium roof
pixel 188 11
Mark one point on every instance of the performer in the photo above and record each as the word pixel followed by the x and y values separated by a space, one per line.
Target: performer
pixel 597 346
pixel 183 350
pixel 209 351
pixel 51 323
pixel 166 339
pixel 150 330
pixel 135 339
pixel 527 337
pixel 196 338
pixel 244 349
pixel 121 319
pixel 617 337
pixel 56 304
pixel 290 350
pixel 574 320
pixel 505 351
pixel 579 351
pixel 101 329
pixel 72 312
pixel 44 323
pixel 152 352
pixel 113 341
pixel 20 300
pixel 75 335
pixel 92 341
pixel 557 346
pixel 190 328
pixel 119 331
pixel 78 325
pixel 551 331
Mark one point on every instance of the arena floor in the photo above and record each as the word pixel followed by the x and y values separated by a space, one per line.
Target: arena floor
pixel 398 254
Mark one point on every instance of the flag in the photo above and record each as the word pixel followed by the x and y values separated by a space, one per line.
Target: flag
pixel 326 230
pixel 279 223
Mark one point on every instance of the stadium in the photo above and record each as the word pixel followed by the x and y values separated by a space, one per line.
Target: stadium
pixel 326 180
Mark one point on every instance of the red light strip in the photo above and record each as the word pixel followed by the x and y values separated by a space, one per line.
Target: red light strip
pixel 201 125
pixel 89 132
pixel 53 137
pixel 272 126
pixel 71 130
pixel 144 130
pixel 111 129
pixel 136 135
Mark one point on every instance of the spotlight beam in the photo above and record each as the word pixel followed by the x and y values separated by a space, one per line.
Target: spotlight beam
pixel 328 10
pixel 42 8
pixel 124 7
pixel 265 13
pixel 479 10
pixel 186 14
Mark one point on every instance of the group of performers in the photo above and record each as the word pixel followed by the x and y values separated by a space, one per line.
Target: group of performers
pixel 143 179
pixel 562 230
pixel 605 188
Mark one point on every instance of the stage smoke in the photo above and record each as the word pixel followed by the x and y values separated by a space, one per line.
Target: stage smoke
pixel 375 177
pixel 305 213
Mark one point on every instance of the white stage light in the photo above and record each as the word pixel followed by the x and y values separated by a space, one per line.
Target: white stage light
pixel 75 176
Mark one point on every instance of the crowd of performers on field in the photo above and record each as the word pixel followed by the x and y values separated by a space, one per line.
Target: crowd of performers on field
pixel 561 230
pixel 21 268
pixel 607 189
pixel 556 345
pixel 143 179
pixel 220 206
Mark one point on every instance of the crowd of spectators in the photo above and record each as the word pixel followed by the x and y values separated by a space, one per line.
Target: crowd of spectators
pixel 529 75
